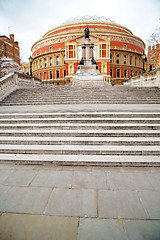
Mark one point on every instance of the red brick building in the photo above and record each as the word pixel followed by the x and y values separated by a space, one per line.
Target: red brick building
pixel 153 57
pixel 116 50
pixel 9 48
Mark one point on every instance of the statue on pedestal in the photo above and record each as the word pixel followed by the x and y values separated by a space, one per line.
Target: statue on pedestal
pixel 86 31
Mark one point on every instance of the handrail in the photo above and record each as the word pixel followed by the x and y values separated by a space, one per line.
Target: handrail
pixel 16 80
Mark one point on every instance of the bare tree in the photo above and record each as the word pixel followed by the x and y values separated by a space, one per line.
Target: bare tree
pixel 155 36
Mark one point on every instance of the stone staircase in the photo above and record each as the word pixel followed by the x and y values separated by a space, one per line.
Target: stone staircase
pixel 103 138
pixel 69 94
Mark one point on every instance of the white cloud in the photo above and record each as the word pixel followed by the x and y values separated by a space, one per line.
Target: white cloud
pixel 30 20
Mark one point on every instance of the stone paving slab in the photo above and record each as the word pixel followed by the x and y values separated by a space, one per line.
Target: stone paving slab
pixel 4 173
pixel 151 202
pixel 23 199
pixel 142 229
pixel 34 227
pixel 100 229
pixel 20 178
pixel 120 204
pixel 154 178
pixel 58 179
pixel 129 181
pixel 72 202
pixel 92 180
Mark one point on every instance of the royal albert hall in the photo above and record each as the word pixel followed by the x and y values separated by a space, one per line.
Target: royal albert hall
pixel 116 50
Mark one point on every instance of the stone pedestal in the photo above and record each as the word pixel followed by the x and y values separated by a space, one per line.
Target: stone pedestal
pixel 87 69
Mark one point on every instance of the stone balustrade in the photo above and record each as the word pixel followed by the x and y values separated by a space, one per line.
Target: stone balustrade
pixel 149 79
pixel 16 80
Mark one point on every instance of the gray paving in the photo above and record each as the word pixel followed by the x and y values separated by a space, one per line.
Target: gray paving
pixel 100 229
pixel 79 202
pixel 71 202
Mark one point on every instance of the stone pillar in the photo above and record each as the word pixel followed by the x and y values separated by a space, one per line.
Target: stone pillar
pixel 83 52
pixel 87 52
pixel 91 51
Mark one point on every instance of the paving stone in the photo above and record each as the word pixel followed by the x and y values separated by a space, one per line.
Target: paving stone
pixel 23 199
pixel 129 181
pixel 60 179
pixel 100 229
pixel 155 180
pixel 20 178
pixel 142 229
pixel 71 202
pixel 120 204
pixel 151 202
pixel 33 227
pixel 94 179
pixel 4 173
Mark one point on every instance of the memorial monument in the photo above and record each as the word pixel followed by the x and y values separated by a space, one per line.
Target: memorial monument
pixel 87 68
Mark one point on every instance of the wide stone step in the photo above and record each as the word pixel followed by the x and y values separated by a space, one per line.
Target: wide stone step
pixel 81 120
pixel 80 140
pixel 80 149
pixel 81 160
pixel 81 114
pixel 80 133
pixel 108 126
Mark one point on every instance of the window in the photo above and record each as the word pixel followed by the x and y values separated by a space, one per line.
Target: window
pixel 79 52
pixel 50 61
pixel 57 74
pixel 117 59
pixel 70 51
pixel 110 58
pixel 111 72
pixel 57 60
pixel 95 51
pixel 131 60
pixel 50 48
pixel 135 61
pixel 118 72
pixel 131 73
pixel 45 62
pixel 64 73
pixel 125 73
pixel 103 51
pixel 136 73
pixel 26 70
pixel 40 63
pixel 45 75
pixel 124 59
pixel 50 75
pixel 125 45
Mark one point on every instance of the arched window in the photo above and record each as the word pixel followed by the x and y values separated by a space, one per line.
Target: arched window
pixel 50 61
pixel 57 60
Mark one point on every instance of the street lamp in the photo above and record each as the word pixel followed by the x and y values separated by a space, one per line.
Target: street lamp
pixel 30 60
pixel 143 59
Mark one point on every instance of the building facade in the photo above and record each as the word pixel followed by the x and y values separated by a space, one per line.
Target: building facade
pixel 116 50
pixel 153 57
pixel 9 48
pixel 25 68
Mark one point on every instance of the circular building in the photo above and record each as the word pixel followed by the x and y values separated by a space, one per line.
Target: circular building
pixel 117 51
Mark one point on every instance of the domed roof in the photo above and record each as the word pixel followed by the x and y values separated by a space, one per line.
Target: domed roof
pixel 88 18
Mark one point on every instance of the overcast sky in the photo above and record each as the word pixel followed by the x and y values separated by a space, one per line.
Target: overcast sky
pixel 29 20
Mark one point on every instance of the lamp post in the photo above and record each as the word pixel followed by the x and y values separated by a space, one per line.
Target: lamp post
pixel 143 59
pixel 30 60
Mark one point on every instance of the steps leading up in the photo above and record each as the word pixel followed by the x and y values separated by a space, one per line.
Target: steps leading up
pixel 70 94
pixel 125 135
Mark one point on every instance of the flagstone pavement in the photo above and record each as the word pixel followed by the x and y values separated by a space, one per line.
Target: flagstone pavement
pixel 79 203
